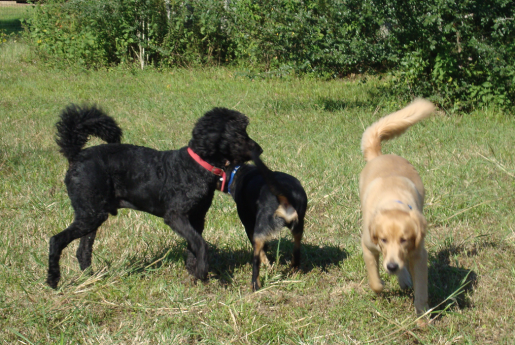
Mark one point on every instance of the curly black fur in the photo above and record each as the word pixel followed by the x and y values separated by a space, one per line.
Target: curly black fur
pixel 77 124
pixel 266 202
pixel 168 184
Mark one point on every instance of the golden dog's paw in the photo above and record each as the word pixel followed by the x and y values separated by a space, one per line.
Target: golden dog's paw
pixel 377 287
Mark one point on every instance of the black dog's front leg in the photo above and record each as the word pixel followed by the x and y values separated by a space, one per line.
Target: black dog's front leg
pixel 196 261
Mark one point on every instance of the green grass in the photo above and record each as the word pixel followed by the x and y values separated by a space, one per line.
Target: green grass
pixel 140 292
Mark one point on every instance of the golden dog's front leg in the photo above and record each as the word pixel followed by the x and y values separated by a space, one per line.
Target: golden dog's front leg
pixel 372 264
pixel 418 269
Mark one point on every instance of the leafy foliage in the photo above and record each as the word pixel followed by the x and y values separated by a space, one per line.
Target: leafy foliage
pixel 458 53
pixel 98 32
pixel 461 53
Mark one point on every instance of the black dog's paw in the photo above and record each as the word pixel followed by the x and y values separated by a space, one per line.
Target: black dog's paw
pixel 256 285
pixel 196 268
pixel 52 280
pixel 191 263
pixel 202 271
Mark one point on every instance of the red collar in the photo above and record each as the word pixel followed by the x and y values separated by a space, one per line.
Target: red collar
pixel 207 166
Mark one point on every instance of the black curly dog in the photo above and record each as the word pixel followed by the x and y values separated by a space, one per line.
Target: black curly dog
pixel 266 202
pixel 175 185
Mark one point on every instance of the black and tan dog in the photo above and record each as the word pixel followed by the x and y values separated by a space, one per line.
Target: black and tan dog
pixel 266 202
pixel 177 185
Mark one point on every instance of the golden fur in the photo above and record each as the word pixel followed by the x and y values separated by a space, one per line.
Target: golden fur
pixel 392 198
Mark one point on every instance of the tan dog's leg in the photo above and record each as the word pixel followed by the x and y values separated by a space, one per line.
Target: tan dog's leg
pixel 372 264
pixel 418 269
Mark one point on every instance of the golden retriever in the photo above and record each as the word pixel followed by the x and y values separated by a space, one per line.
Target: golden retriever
pixel 392 198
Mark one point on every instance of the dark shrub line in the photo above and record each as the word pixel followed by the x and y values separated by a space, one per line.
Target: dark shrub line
pixel 461 54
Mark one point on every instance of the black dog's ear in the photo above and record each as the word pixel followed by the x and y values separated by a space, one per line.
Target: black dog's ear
pixel 256 151
pixel 257 148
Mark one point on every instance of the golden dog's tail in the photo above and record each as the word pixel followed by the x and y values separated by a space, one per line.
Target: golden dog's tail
pixel 393 125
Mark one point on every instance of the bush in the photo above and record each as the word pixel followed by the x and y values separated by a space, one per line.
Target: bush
pixel 460 54
pixel 98 32
pixel 198 33
pixel 325 38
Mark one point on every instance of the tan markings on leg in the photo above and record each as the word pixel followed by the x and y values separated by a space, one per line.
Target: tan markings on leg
pixel 258 246
pixel 264 259
pixel 258 249
pixel 297 238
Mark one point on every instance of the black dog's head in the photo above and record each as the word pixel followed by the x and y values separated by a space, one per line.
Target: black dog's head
pixel 220 138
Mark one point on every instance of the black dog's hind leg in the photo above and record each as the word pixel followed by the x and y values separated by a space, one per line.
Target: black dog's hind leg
pixel 79 228
pixel 249 225
pixel 259 245
pixel 85 250
pixel 297 232
pixel 196 260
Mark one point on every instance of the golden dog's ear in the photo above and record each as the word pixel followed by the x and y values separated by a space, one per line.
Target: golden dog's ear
pixel 420 227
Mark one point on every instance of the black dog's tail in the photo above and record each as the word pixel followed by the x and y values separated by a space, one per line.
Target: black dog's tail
pixel 285 209
pixel 78 123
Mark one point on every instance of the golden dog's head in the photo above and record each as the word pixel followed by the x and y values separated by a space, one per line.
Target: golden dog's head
pixel 397 233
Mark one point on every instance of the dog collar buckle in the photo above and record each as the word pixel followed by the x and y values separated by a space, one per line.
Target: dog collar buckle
pixel 216 171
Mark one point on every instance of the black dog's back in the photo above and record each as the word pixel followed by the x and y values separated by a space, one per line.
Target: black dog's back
pixel 257 202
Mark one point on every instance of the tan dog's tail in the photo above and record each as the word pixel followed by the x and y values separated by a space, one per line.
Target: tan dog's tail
pixel 393 125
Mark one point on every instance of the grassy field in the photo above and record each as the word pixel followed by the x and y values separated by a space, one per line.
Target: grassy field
pixel 140 292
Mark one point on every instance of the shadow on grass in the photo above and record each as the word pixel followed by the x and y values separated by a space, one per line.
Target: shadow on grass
pixel 446 280
pixel 11 26
pixel 333 105
pixel 224 262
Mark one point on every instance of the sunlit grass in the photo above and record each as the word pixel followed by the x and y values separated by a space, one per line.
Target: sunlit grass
pixel 140 291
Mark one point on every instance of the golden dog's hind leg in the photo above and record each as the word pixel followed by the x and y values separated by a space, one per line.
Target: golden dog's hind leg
pixel 372 265
pixel 418 268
